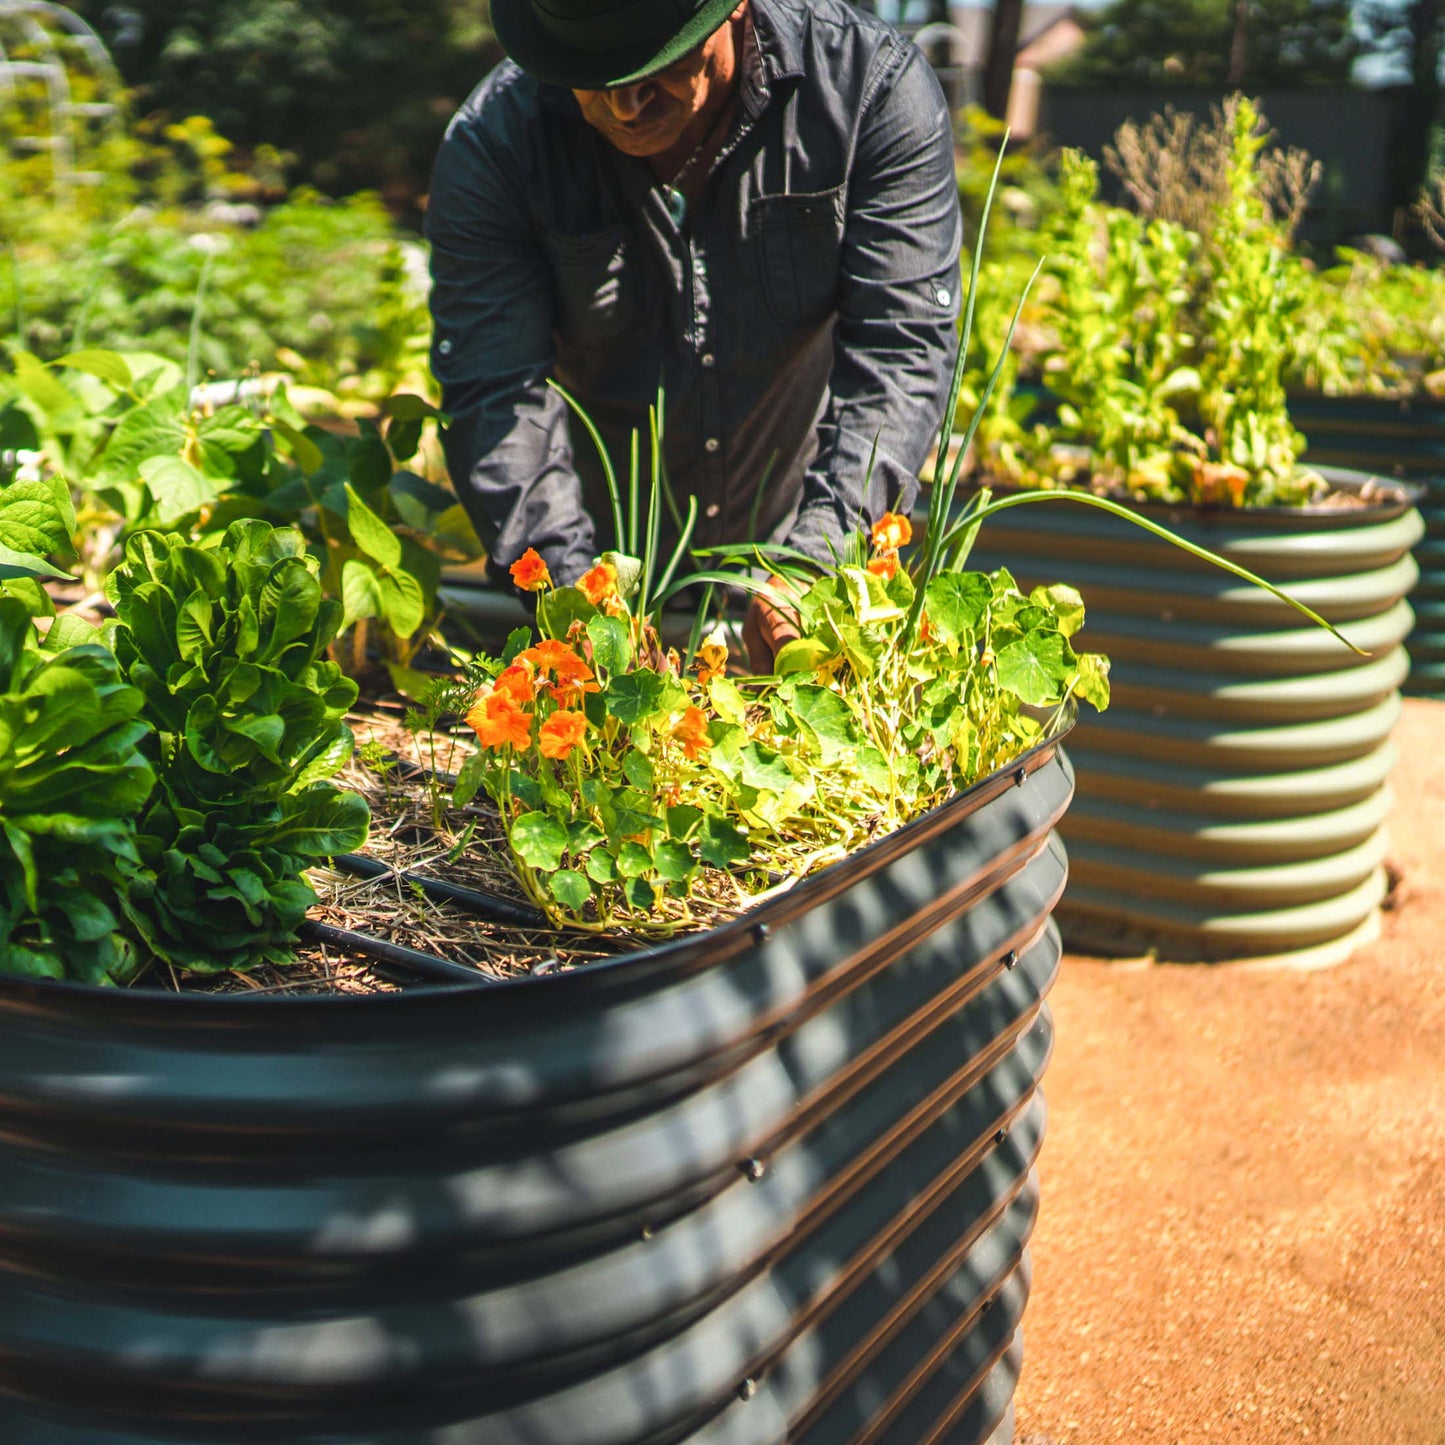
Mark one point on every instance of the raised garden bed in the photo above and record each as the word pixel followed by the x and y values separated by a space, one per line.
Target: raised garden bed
pixel 1233 801
pixel 771 1181
pixel 1398 437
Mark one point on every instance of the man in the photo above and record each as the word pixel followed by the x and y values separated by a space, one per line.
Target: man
pixel 749 205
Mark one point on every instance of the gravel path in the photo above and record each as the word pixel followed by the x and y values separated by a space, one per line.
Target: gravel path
pixel 1243 1231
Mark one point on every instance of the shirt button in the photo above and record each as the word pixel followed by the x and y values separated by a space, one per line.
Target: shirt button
pixel 711 444
pixel 445 348
pixel 943 296
pixel 708 360
pixel 700 266
pixel 711 510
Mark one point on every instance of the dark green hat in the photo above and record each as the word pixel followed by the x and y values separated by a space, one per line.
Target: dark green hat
pixel 594 44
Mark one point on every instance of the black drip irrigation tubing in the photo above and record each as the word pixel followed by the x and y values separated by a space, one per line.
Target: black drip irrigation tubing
pixel 484 905
pixel 392 957
pixel 401 964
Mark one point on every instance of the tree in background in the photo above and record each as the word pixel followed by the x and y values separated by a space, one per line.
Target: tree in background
pixel 357 91
pixel 1409 35
pixel 1248 44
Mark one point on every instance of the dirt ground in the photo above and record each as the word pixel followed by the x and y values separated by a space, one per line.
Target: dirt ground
pixel 1243 1228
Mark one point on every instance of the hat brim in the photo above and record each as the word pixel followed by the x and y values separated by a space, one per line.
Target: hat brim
pixel 540 54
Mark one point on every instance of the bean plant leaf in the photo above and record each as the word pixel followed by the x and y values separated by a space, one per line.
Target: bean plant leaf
pixel 178 488
pixel 370 533
pixel 403 603
pixel 37 521
pixel 540 840
pixel 109 366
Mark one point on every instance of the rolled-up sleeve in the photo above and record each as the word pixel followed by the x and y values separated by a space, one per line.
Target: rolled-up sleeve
pixel 896 330
pixel 508 445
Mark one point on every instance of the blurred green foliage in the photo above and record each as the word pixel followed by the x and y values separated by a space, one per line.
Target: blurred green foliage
pixel 357 93
pixel 1190 42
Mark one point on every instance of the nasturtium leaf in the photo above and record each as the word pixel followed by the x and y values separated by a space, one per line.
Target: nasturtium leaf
pixel 558 610
pixel 373 536
pixel 873 769
pixel 633 860
pixel 827 717
pixel 570 889
pixel 109 366
pixel 611 651
pixel 802 654
pixel 640 893
pixel 629 572
pixel 1063 604
pixel 764 769
pixel 601 866
pixel 727 700
pixel 955 603
pixel 634 697
pixel 1035 668
pixel 583 835
pixel 519 639
pixel 682 818
pixel 540 840
pixel 721 844
pixel 638 770
pixel 674 861
pixel 1093 680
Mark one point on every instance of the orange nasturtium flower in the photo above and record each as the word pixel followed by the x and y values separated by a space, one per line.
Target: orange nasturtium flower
pixel 499 722
pixel 892 531
pixel 562 732
pixel 558 659
pixel 691 732
pixel 516 682
pixel 599 583
pixel 885 566
pixel 530 572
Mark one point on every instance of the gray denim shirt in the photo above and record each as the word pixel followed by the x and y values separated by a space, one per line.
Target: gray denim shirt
pixel 804 310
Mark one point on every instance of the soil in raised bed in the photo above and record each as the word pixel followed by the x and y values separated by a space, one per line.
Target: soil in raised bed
pixel 406 778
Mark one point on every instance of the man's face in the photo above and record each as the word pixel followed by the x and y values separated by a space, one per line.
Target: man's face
pixel 653 116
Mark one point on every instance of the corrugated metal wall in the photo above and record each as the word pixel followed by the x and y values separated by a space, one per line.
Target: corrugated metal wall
pixel 1395 438
pixel 770 1183
pixel 1233 800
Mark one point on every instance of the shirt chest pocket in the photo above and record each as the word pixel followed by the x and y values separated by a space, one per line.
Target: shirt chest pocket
pixel 594 285
pixel 799 241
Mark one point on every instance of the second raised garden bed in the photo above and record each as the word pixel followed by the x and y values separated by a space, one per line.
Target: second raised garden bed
pixel 1233 801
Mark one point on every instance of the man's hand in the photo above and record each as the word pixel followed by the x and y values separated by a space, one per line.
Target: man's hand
pixel 766 629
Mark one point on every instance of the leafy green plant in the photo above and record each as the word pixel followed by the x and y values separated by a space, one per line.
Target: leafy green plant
pixel 72 779
pixel 1165 351
pixel 120 427
pixel 225 645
